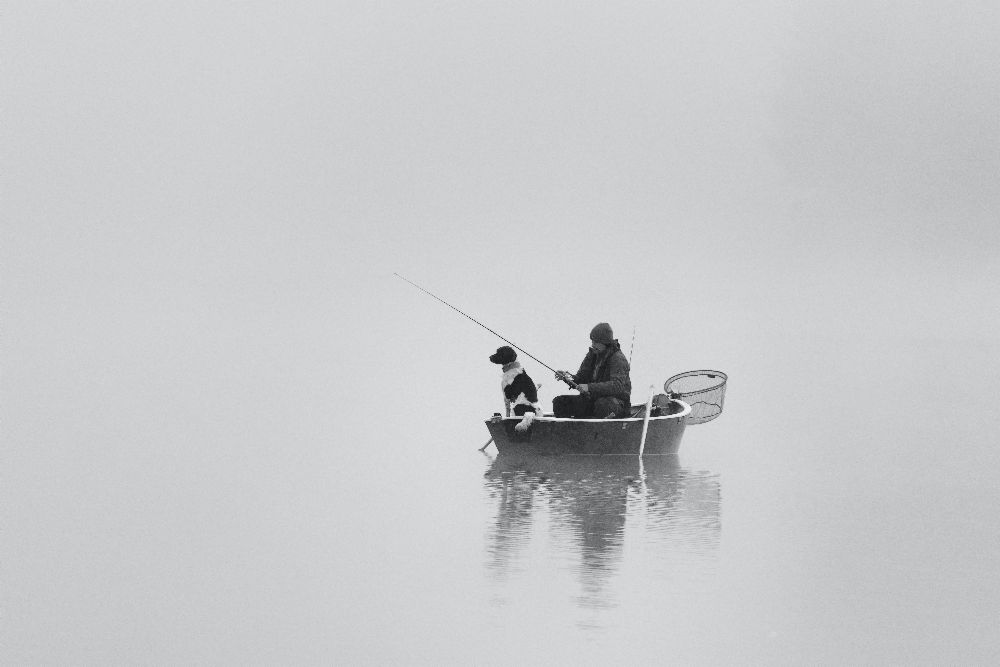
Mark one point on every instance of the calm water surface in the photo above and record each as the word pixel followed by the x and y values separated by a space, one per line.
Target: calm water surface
pixel 834 514
pixel 837 513
pixel 583 514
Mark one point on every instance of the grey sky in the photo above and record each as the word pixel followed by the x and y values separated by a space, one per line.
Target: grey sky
pixel 203 204
pixel 194 183
pixel 227 188
pixel 776 140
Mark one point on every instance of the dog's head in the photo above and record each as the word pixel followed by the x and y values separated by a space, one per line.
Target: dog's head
pixel 504 355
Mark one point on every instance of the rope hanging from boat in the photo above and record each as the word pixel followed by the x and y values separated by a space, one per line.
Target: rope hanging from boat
pixel 704 391
pixel 477 322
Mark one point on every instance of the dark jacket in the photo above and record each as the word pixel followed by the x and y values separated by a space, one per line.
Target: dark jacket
pixel 606 374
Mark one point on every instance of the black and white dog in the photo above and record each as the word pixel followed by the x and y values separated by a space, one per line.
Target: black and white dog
pixel 518 388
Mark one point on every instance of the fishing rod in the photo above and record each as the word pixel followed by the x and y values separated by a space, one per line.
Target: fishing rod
pixel 569 382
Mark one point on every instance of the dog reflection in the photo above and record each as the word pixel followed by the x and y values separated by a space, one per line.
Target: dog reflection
pixel 591 501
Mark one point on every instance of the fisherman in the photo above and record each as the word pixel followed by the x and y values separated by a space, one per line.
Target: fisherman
pixel 603 381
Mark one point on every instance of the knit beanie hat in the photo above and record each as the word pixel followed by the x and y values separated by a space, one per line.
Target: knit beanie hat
pixel 602 334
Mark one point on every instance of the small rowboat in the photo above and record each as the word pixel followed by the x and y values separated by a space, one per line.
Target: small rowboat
pixel 603 437
pixel 694 397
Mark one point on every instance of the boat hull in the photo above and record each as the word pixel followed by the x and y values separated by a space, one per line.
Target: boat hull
pixel 590 437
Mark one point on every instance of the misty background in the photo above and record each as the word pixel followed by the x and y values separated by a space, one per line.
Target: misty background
pixel 206 353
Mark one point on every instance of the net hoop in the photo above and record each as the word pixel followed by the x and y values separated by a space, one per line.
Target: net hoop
pixel 703 390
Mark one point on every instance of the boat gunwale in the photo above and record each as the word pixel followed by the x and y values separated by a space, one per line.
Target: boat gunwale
pixel 550 418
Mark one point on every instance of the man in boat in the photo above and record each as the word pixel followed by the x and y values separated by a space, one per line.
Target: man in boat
pixel 603 381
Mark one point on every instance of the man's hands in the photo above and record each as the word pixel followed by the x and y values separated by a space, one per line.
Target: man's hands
pixel 567 377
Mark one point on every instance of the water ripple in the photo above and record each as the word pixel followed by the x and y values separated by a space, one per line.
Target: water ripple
pixel 578 516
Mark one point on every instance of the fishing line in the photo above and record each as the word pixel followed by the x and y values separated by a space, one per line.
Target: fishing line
pixel 477 322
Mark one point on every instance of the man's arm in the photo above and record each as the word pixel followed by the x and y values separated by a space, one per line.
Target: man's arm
pixel 618 385
pixel 586 369
pixel 582 375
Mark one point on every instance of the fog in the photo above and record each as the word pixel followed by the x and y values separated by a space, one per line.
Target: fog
pixel 207 359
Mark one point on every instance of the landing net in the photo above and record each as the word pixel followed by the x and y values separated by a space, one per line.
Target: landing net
pixel 704 391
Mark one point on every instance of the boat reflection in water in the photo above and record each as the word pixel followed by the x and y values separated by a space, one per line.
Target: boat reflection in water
pixel 590 507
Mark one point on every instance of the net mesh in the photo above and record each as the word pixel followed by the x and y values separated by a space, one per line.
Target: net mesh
pixel 704 391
